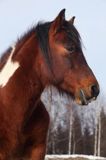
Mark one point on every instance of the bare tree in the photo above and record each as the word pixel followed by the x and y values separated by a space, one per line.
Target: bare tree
pixel 95 140
pixel 70 128
pixel 70 131
pixel 99 134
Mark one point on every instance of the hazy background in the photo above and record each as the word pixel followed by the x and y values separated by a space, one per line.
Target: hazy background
pixel 16 16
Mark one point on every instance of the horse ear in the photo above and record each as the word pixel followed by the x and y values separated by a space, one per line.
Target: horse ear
pixel 71 21
pixel 59 20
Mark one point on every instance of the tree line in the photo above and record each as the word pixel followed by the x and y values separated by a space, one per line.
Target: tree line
pixel 75 129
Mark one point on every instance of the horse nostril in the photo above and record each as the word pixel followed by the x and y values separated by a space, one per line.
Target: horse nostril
pixel 94 90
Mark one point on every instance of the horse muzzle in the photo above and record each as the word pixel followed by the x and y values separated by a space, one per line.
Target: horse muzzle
pixel 84 98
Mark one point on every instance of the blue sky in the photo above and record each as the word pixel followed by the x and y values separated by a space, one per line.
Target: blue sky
pixel 16 16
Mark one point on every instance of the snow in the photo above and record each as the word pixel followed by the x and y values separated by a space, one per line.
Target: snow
pixel 90 157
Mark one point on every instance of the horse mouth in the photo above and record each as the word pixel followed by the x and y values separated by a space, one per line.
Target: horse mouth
pixel 84 100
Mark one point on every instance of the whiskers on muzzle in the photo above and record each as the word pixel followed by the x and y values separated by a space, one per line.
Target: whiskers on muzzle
pixel 85 100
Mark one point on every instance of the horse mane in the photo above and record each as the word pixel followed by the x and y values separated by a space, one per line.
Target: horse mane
pixel 72 34
pixel 41 30
pixel 4 57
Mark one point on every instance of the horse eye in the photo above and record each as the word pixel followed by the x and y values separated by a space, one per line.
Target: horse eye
pixel 72 49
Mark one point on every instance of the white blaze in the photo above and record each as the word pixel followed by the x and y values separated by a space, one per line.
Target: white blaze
pixel 8 70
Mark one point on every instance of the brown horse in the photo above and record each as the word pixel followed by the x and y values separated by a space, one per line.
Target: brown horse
pixel 49 54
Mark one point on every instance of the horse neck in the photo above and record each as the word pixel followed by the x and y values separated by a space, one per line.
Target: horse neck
pixel 29 57
pixel 34 63
pixel 23 89
pixel 23 86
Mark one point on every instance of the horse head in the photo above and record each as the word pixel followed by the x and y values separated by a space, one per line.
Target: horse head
pixel 70 72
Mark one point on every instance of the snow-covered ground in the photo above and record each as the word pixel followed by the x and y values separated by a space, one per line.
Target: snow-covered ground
pixel 70 157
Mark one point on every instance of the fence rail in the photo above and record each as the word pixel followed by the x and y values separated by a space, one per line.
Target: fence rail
pixel 72 157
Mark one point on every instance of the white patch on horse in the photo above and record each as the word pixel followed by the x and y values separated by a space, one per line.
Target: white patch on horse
pixel 8 70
